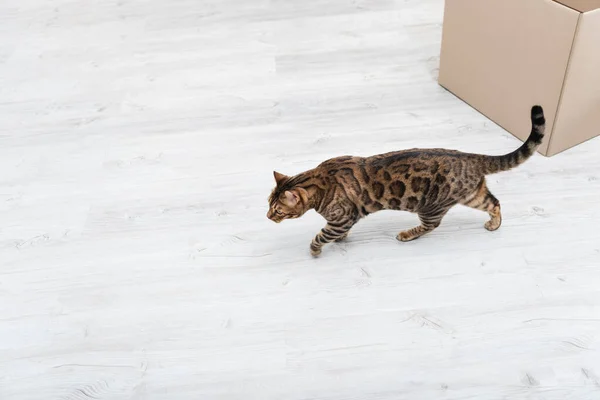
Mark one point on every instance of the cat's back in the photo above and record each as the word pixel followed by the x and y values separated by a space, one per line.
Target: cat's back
pixel 385 159
pixel 337 163
pixel 416 155
pixel 413 160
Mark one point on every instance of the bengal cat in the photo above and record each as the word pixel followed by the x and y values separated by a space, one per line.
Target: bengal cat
pixel 424 181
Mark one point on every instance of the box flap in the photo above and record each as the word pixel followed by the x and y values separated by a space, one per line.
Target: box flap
pixel 503 56
pixel 581 5
pixel 578 117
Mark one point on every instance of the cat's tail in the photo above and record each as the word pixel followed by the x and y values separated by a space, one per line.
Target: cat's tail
pixel 494 164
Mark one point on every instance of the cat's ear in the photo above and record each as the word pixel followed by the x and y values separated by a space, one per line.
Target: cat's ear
pixel 279 178
pixel 292 198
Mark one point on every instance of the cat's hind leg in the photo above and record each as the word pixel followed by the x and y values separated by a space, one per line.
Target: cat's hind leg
pixel 484 200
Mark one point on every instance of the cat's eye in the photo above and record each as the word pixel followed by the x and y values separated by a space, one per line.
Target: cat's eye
pixel 278 212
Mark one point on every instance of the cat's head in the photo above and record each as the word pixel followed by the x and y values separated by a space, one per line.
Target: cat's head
pixel 286 201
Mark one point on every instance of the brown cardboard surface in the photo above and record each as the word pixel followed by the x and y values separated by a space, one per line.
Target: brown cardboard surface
pixel 503 56
pixel 581 5
pixel 579 110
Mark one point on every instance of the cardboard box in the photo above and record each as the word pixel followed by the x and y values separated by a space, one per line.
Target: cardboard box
pixel 503 56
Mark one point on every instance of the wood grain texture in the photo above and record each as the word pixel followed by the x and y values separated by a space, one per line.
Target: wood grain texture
pixel 137 144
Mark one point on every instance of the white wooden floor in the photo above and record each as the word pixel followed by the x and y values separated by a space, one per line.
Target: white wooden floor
pixel 137 143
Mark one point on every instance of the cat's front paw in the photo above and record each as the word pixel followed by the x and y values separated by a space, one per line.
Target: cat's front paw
pixel 315 251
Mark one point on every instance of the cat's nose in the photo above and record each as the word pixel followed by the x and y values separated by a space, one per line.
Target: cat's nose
pixel 269 214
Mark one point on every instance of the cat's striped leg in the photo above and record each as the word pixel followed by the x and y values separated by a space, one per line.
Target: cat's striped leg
pixel 484 200
pixel 430 220
pixel 342 238
pixel 333 231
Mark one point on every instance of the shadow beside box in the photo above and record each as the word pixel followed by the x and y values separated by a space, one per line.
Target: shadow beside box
pixel 503 56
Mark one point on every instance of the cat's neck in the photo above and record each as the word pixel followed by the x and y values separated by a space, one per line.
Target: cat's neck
pixel 313 190
pixel 314 198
